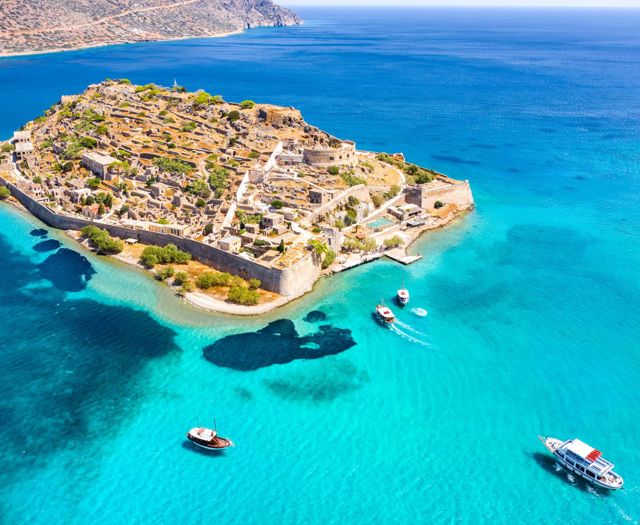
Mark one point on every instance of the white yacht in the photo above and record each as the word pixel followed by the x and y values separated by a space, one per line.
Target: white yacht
pixel 385 315
pixel 585 461
pixel 403 296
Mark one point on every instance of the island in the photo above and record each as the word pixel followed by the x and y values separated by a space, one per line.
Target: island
pixel 240 207
pixel 42 26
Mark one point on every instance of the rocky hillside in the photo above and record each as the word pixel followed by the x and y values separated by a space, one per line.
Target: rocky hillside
pixel 34 26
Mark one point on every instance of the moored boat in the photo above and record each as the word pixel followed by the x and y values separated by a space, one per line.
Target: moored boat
pixel 585 461
pixel 403 295
pixel 208 438
pixel 384 314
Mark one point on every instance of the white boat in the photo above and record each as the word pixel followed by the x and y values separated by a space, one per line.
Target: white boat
pixel 208 438
pixel 384 314
pixel 403 295
pixel 585 461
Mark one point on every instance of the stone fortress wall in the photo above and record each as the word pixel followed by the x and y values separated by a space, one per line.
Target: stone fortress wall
pixel 290 281
pixel 446 190
pixel 344 154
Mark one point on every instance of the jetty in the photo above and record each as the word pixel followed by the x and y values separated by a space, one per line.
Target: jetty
pixel 401 256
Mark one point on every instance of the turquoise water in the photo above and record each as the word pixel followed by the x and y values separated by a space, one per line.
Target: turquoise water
pixel 532 298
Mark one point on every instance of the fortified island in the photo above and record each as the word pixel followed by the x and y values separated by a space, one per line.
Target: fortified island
pixel 230 203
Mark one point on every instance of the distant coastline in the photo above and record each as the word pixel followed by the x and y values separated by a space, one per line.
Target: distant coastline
pixel 118 43
pixel 28 27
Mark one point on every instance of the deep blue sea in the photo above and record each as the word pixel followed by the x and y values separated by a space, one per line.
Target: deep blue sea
pixel 533 298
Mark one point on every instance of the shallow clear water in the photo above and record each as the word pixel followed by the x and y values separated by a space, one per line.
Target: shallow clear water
pixel 532 298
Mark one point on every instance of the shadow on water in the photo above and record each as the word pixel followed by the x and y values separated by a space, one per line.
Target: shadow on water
pixel 68 368
pixel 67 270
pixel 38 232
pixel 47 246
pixel 549 464
pixel 277 343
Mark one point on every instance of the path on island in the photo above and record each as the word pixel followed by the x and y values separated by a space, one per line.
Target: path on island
pixel 99 21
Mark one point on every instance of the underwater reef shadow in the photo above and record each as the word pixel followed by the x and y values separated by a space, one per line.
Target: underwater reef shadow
pixel 549 464
pixel 320 382
pixel 47 246
pixel 315 316
pixel 69 371
pixel 276 344
pixel 67 270
pixel 38 232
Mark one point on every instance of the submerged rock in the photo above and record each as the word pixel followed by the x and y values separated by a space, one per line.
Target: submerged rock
pixel 47 246
pixel 315 316
pixel 277 343
pixel 39 232
pixel 67 270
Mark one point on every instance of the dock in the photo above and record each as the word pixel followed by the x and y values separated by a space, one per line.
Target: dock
pixel 402 257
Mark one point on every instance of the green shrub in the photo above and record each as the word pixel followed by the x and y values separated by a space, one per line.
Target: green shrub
pixel 165 273
pixel 218 180
pixel 234 115
pixel 247 104
pixel 333 170
pixel 4 193
pixel 175 166
pixel 200 188
pixel 208 280
pixel 393 191
pixel 186 287
pixel 366 245
pixel 202 99
pixel 351 179
pixel 189 126
pixel 180 278
pixel 254 284
pixel 393 242
pixel 377 199
pixel 243 296
pixel 438 204
pixel 168 254
pixel 322 249
pixel 93 182
pixel 101 240
pixel 277 204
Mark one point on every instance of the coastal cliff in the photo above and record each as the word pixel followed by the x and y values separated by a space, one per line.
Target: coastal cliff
pixel 38 26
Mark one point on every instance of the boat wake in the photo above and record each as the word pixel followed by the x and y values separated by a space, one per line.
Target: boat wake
pixel 409 328
pixel 407 336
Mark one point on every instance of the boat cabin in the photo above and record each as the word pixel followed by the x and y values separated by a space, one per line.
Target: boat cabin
pixel 585 458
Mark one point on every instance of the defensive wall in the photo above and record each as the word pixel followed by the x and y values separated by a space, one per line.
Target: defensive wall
pixel 344 154
pixel 293 280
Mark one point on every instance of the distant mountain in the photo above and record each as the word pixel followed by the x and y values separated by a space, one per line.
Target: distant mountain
pixel 35 26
